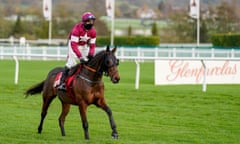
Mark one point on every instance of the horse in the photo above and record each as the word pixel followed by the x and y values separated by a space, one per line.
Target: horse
pixel 86 87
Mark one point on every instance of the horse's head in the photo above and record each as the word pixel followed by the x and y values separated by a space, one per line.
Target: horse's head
pixel 110 65
pixel 107 63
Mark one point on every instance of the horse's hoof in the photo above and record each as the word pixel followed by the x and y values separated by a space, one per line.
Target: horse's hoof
pixel 115 136
pixel 86 137
pixel 39 130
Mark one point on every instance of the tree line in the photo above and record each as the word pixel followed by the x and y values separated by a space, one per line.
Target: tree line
pixel 223 18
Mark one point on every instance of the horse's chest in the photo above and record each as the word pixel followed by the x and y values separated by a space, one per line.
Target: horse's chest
pixel 96 91
pixel 90 94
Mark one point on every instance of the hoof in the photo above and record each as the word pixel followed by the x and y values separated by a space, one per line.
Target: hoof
pixel 114 135
pixel 39 130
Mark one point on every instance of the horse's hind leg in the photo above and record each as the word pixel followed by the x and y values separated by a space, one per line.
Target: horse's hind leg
pixel 46 102
pixel 65 110
pixel 101 103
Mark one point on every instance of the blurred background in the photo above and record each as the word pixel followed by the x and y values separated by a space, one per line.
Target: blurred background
pixel 168 19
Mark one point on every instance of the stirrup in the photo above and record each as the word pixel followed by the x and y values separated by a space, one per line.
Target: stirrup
pixel 62 87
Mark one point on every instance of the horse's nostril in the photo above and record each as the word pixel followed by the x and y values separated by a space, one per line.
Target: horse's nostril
pixel 117 80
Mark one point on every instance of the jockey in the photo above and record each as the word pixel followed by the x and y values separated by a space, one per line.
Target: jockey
pixel 81 45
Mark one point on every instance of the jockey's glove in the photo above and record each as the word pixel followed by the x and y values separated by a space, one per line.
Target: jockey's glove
pixel 83 60
pixel 89 57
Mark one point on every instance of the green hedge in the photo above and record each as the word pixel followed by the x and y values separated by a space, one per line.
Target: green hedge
pixel 226 40
pixel 129 40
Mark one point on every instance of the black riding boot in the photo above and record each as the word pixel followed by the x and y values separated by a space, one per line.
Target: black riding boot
pixel 62 85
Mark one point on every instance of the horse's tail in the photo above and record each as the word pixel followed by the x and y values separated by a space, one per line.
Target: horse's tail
pixel 35 89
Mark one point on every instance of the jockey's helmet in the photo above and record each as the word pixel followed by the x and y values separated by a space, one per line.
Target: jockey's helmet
pixel 88 20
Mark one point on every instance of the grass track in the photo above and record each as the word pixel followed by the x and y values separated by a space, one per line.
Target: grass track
pixel 150 115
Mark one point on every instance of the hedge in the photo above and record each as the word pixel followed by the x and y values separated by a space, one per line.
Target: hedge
pixel 129 40
pixel 226 40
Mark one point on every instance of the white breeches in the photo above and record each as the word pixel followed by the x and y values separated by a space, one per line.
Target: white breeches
pixel 72 58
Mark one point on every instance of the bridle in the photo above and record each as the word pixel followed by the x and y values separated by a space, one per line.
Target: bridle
pixel 107 62
pixel 89 68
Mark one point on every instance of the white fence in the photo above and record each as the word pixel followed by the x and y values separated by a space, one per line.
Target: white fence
pixel 138 54
pixel 125 53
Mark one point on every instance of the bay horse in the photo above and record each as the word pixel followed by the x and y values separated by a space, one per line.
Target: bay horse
pixel 86 88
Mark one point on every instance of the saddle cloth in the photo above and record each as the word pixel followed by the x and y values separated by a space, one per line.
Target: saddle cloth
pixel 69 80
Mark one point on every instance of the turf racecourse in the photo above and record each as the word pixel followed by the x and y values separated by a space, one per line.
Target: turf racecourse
pixel 150 115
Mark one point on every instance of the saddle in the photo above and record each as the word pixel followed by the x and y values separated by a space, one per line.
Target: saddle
pixel 69 78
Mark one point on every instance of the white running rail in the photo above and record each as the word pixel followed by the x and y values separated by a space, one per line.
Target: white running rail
pixel 124 53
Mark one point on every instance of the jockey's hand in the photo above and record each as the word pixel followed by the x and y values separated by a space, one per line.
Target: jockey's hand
pixel 89 57
pixel 83 60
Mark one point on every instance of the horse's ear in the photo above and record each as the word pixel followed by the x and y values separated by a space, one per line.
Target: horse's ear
pixel 108 48
pixel 114 49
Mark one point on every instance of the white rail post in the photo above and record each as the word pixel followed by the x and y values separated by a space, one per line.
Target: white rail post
pixel 193 52
pixel 232 53
pixel 137 74
pixel 58 53
pixel 28 53
pixel 122 52
pixel 174 52
pixel 1 52
pixel 204 85
pixel 16 69
pixel 44 53
pixel 156 52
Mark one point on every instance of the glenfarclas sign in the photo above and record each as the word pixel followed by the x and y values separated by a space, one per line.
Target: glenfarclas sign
pixel 192 72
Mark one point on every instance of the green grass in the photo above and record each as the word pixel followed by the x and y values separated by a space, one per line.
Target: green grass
pixel 150 115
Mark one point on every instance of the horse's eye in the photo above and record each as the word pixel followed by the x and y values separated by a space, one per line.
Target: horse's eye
pixel 109 62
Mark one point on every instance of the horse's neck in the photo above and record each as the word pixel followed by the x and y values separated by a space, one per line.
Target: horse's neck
pixel 96 63
pixel 75 69
pixel 93 69
pixel 91 73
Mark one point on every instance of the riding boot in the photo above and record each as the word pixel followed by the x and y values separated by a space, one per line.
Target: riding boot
pixel 62 85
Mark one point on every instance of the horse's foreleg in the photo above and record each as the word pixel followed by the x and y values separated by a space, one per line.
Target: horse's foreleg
pixel 65 110
pixel 46 102
pixel 102 104
pixel 112 122
pixel 83 109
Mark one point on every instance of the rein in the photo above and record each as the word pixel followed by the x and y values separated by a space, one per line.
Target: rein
pixel 89 68
pixel 86 79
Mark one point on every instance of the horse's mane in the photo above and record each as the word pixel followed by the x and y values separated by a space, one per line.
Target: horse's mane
pixel 97 56
pixel 99 53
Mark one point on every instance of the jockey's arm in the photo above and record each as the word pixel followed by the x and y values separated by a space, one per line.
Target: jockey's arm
pixel 74 45
pixel 92 46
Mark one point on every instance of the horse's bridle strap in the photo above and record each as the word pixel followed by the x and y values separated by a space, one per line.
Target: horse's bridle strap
pixel 89 68
pixel 86 79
